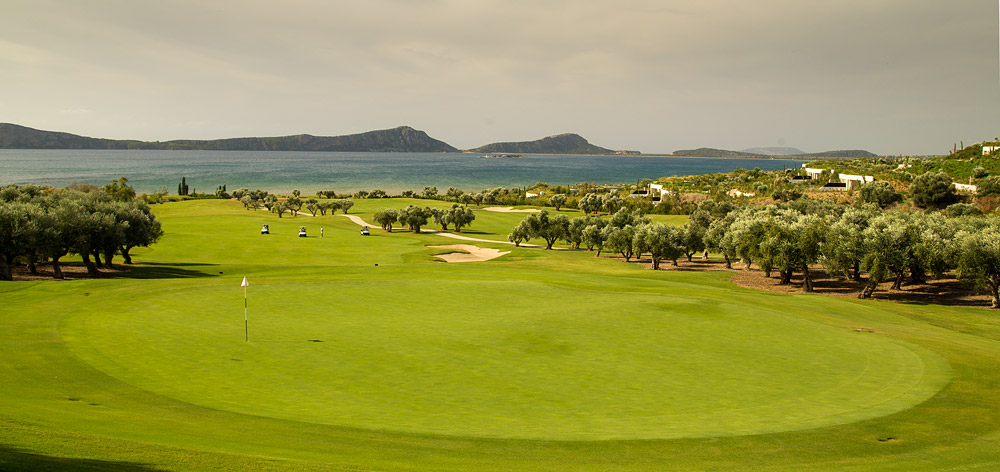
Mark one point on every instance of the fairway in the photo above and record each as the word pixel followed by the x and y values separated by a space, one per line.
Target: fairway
pixel 367 351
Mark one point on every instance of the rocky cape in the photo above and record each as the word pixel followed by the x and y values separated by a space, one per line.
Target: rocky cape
pixel 401 139
pixel 559 144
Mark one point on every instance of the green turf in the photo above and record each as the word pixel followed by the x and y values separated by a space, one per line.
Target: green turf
pixel 538 360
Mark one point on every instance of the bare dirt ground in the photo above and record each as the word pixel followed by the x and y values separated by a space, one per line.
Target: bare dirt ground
pixel 71 271
pixel 945 291
pixel 471 253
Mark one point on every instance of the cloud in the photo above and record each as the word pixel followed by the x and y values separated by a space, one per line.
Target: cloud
pixel 891 75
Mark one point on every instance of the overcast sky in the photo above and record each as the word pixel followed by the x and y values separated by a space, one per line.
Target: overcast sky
pixel 889 76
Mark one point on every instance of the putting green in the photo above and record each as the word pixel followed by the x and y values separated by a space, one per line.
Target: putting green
pixel 512 353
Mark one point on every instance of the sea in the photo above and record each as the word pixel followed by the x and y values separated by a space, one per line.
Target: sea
pixel 343 172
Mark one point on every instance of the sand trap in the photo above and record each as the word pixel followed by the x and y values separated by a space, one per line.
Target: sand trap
pixel 474 253
pixel 511 210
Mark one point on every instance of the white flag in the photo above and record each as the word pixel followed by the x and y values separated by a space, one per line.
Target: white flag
pixel 245 283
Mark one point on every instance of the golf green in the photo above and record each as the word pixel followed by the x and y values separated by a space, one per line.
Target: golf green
pixel 448 349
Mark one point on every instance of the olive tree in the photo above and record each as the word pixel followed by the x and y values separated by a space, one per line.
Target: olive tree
pixel 594 236
pixel 460 216
pixel 386 218
pixel 550 229
pixel 978 256
pixel 663 242
pixel 414 217
pixel 933 190
pixel 519 234
pixel 344 205
pixel 557 201
pixel 880 193
pixel 590 203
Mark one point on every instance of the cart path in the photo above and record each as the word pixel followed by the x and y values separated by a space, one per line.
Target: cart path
pixel 359 221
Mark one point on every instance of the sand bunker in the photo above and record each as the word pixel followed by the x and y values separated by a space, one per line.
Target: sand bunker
pixel 472 254
pixel 511 210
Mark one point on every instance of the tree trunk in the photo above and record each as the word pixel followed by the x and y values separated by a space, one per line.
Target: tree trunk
pixel 857 271
pixel 31 265
pixel 56 268
pixel 917 275
pixel 807 283
pixel 674 261
pixel 599 252
pixel 91 268
pixel 690 254
pixel 898 283
pixel 729 263
pixel 995 289
pixel 705 256
pixel 869 288
pixel 125 254
pixel 786 277
pixel 97 258
pixel 656 264
pixel 5 269
pixel 108 257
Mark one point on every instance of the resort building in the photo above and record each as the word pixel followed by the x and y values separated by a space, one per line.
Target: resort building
pixel 855 181
pixel 967 188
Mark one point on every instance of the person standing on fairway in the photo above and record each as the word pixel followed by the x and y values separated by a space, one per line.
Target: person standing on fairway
pixel 321 231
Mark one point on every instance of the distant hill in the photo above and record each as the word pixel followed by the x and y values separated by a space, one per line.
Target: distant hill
pixel 401 139
pixel 711 152
pixel 845 154
pixel 559 144
pixel 774 151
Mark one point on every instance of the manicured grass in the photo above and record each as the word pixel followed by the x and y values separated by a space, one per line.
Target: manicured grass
pixel 538 360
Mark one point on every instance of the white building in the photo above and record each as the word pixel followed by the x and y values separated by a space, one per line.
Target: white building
pixel 855 181
pixel 990 149
pixel 966 188
pixel 814 173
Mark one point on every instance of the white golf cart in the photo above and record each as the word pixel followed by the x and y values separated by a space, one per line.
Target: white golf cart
pixel 365 232
pixel 264 230
pixel 302 231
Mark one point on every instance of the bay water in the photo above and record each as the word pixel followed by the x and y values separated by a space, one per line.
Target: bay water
pixel 281 172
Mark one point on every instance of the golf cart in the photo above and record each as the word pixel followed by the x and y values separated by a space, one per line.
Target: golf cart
pixel 264 230
pixel 365 232
pixel 302 231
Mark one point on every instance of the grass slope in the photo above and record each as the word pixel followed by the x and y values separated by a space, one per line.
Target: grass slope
pixel 594 365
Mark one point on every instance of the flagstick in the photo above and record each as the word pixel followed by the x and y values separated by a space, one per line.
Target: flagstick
pixel 246 323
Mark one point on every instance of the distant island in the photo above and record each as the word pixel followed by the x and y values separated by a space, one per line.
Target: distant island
pixel 712 152
pixel 568 143
pixel 775 151
pixel 401 139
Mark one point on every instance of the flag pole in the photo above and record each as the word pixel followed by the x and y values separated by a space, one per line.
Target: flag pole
pixel 246 322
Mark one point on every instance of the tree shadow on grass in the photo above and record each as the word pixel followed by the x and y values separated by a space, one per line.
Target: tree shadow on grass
pixel 157 270
pixel 12 458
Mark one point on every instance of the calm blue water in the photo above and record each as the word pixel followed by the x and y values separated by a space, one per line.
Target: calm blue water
pixel 342 171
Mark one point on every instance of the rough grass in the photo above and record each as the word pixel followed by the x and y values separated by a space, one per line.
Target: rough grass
pixel 539 360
